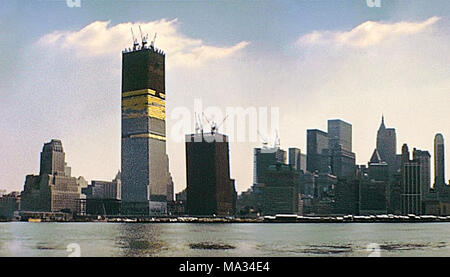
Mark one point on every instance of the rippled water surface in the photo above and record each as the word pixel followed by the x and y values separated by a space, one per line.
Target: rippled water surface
pixel 135 239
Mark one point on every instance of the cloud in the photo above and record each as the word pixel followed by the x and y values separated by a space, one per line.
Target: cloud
pixel 101 39
pixel 366 34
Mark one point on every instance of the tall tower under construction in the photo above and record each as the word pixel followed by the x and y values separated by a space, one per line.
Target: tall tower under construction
pixel 145 166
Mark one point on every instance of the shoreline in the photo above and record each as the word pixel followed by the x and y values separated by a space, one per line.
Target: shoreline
pixel 269 220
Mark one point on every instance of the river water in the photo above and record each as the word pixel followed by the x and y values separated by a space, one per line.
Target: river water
pixel 208 240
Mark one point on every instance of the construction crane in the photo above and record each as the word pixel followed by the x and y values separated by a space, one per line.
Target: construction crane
pixel 198 124
pixel 152 44
pixel 135 41
pixel 213 124
pixel 143 38
pixel 264 139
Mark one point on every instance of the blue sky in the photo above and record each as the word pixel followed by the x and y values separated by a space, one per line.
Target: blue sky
pixel 248 50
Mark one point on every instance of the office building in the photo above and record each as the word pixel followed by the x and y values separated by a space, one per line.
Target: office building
pixel 411 184
pixel 210 190
pixel 316 151
pixel 52 190
pixel 423 158
pixel 9 203
pixel 144 166
pixel 387 145
pixel 339 133
pixel 439 163
pixel 263 158
pixel 297 159
pixel 281 190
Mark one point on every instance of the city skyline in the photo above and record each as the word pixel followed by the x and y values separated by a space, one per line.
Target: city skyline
pixel 409 98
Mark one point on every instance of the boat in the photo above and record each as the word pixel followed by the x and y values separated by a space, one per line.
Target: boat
pixel 34 220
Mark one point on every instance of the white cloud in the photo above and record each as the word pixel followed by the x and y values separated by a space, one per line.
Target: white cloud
pixel 367 34
pixel 100 39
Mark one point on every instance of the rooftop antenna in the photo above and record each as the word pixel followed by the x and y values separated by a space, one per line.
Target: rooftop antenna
pixel 135 41
pixel 143 38
pixel 152 44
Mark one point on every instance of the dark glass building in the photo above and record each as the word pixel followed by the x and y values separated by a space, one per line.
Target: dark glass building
pixel 316 150
pixel 210 191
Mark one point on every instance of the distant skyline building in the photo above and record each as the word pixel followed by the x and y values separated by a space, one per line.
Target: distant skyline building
pixel 387 145
pixel 439 162
pixel 263 158
pixel 144 164
pixel 411 196
pixel 342 160
pixel 423 158
pixel 210 190
pixel 281 194
pixel 53 190
pixel 316 150
pixel 297 159
pixel 339 133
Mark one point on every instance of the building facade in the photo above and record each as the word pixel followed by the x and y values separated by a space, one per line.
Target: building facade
pixel 316 150
pixel 144 165
pixel 387 145
pixel 210 190
pixel 52 190
pixel 281 190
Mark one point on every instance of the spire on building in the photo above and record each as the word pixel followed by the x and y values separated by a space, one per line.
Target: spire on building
pixel 375 157
pixel 382 126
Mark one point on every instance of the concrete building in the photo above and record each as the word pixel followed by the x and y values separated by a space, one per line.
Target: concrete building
pixel 210 190
pixel 52 190
pixel 281 190
pixel 145 166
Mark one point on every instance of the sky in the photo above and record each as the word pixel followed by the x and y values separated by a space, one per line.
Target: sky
pixel 313 60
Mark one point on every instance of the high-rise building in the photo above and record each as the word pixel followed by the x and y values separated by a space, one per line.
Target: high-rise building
pixel 423 158
pixel 341 157
pixel 263 158
pixel 387 145
pixel 342 162
pixel 316 150
pixel 297 159
pixel 439 162
pixel 411 184
pixel 145 166
pixel 52 190
pixel 281 190
pixel 210 190
pixel 339 133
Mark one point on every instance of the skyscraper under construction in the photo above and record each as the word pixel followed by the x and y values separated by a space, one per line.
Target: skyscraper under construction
pixel 145 166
